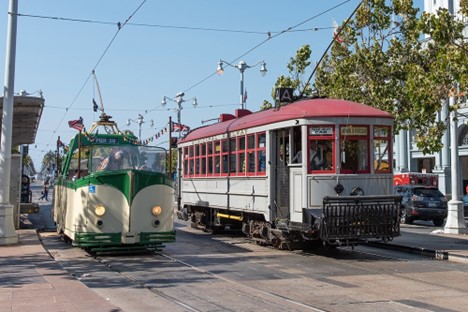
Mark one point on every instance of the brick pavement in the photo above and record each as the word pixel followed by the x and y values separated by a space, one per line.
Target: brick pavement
pixel 30 280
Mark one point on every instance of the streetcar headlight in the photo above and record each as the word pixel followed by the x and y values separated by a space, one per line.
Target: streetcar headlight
pixel 156 210
pixel 100 210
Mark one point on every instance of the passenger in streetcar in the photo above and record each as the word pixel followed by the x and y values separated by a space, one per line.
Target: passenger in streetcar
pixel 113 161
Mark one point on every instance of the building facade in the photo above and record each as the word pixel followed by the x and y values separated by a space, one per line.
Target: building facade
pixel 407 155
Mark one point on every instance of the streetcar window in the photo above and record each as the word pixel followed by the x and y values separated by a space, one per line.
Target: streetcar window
pixel 217 159
pixel 225 164
pixel 261 153
pixel 261 161
pixel 209 148
pixel 354 142
pixel 225 146
pixel 251 141
pixel 233 163
pixel 296 152
pixel 242 162
pixel 197 166
pixel 321 155
pixel 321 149
pixel 261 140
pixel 84 161
pixel 382 149
pixel 251 161
pixel 210 165
pixel 191 167
pixel 217 164
pixel 108 158
pixel 186 155
pixel 250 154
pixel 242 143
pixel 241 153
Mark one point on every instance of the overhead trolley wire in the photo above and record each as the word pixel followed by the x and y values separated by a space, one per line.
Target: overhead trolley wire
pixel 119 27
pixel 68 19
pixel 270 36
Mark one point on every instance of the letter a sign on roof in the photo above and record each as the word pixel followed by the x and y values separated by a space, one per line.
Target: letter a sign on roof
pixel 284 95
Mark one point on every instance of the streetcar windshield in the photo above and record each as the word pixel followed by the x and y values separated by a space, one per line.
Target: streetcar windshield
pixel 109 158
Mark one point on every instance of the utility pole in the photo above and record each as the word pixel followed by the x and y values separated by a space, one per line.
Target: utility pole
pixel 455 223
pixel 7 229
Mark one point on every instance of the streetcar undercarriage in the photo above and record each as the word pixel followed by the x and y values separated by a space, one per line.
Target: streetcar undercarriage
pixel 343 220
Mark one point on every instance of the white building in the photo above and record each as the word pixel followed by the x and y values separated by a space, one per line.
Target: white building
pixel 407 155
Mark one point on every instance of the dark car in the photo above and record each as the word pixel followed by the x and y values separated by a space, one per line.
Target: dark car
pixel 465 204
pixel 422 202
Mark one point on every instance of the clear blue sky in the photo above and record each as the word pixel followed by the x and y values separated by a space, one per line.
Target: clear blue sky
pixel 145 63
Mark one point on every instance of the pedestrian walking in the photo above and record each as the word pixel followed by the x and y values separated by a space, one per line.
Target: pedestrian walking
pixel 45 189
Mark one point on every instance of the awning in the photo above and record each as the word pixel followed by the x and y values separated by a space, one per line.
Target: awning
pixel 27 112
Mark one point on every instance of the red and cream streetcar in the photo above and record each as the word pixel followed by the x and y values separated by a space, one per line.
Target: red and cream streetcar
pixel 312 170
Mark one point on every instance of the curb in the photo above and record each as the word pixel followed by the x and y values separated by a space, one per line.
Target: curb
pixel 435 254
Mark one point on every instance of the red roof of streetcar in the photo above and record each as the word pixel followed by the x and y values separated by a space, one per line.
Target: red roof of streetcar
pixel 311 108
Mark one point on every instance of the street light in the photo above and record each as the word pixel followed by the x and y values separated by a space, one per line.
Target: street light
pixel 179 99
pixel 242 66
pixel 139 121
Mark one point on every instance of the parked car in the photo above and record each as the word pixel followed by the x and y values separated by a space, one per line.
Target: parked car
pixel 422 202
pixel 465 204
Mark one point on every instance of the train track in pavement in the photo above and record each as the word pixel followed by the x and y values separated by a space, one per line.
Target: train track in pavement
pixel 274 302
pixel 192 280
pixel 205 290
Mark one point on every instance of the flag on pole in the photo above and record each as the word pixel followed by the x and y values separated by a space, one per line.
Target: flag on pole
pixel 336 30
pixel 76 124
pixel 177 127
pixel 95 106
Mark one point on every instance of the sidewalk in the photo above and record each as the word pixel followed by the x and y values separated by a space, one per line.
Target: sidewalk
pixel 30 280
pixel 431 242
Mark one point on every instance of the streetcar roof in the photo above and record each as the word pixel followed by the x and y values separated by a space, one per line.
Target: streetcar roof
pixel 310 108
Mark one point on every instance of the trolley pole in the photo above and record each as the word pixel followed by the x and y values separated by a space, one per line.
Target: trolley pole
pixel 169 169
pixel 7 229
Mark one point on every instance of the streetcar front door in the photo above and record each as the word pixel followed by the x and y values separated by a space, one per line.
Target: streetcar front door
pixel 280 174
pixel 296 174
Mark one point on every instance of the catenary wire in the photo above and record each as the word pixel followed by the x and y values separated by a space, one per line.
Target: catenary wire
pixel 269 38
pixel 68 19
pixel 119 27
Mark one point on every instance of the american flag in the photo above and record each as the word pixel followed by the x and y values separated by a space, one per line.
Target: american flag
pixel 76 124
pixel 177 127
pixel 336 31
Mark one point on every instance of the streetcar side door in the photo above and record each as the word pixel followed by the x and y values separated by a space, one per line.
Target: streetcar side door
pixel 280 174
pixel 297 172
